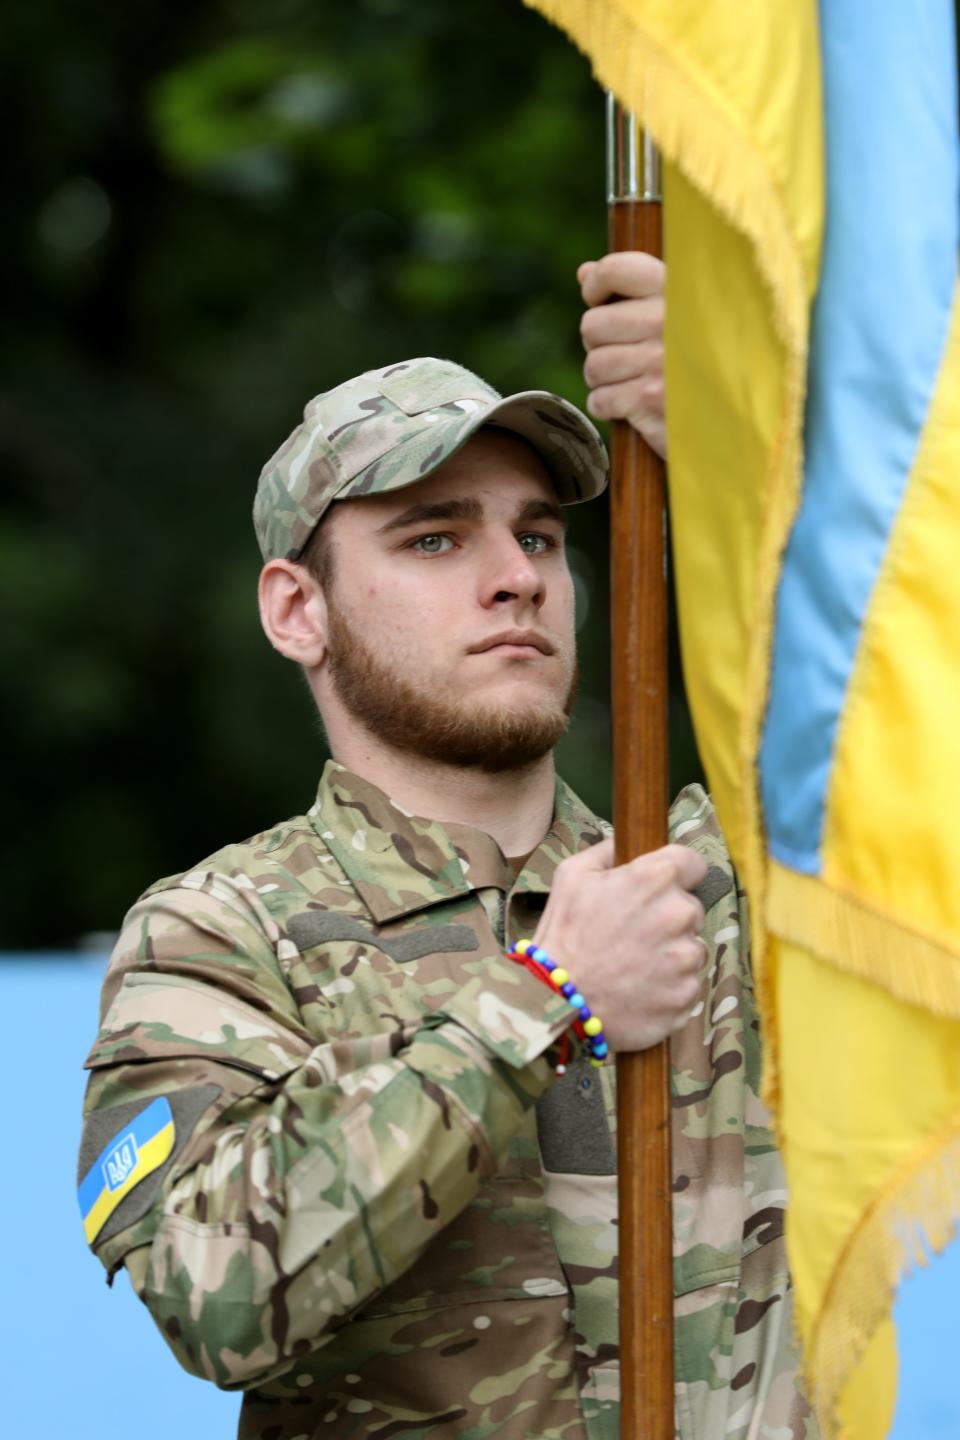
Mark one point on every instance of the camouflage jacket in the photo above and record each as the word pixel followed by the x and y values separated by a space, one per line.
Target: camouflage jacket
pixel 323 1136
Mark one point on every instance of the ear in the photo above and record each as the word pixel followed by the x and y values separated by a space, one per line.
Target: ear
pixel 293 612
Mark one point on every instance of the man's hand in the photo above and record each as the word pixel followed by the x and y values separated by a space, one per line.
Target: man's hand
pixel 630 936
pixel 624 341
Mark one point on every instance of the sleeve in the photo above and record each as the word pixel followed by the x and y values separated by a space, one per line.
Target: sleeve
pixel 738 1367
pixel 281 1183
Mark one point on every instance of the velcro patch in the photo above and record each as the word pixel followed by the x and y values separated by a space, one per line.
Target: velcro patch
pixel 141 1147
pixel 315 927
pixel 572 1125
pixel 428 386
pixel 714 885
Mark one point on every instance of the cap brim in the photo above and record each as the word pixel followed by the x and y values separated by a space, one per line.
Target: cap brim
pixel 566 441
pixel 568 444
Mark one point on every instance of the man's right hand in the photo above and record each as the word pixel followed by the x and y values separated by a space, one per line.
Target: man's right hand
pixel 630 937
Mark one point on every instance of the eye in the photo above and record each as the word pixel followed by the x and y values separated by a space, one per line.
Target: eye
pixel 432 544
pixel 533 544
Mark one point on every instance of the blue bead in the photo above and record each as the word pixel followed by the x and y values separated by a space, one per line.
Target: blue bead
pixel 599 1048
pixel 539 956
pixel 568 989
pixel 586 1013
pixel 576 1000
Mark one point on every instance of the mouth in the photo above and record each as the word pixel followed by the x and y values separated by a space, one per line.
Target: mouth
pixel 516 642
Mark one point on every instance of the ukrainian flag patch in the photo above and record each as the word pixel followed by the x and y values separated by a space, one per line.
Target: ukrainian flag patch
pixel 135 1152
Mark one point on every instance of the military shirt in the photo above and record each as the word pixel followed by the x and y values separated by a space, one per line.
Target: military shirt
pixel 372 1206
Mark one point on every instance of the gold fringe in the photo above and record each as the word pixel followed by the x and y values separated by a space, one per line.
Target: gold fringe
pixel 857 937
pixel 913 1214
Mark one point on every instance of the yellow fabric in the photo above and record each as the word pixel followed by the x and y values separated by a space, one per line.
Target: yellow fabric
pixel 729 430
pixel 731 93
pixel 871 1125
pixel 902 714
pixel 868 1400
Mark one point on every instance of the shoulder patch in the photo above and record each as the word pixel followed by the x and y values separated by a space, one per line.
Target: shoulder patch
pixel 141 1140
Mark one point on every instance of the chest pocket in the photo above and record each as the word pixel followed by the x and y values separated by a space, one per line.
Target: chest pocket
pixel 498 1248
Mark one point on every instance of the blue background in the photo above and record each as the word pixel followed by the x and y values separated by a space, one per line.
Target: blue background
pixel 88 1361
pixel 80 1360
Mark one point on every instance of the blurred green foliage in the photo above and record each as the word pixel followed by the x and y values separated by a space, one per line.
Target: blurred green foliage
pixel 213 212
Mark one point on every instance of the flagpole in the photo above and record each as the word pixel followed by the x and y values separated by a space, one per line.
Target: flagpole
pixel 639 644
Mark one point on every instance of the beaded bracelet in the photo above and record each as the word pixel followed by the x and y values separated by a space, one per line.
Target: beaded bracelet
pixel 587 1026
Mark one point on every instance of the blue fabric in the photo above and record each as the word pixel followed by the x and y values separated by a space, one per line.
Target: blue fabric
pixel 878 331
pixel 925 1314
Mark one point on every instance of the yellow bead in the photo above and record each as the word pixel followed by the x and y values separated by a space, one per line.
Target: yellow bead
pixel 522 946
pixel 593 1026
pixel 559 976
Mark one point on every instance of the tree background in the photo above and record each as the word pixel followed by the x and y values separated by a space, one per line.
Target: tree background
pixel 214 212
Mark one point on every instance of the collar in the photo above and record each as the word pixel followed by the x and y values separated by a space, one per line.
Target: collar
pixel 399 863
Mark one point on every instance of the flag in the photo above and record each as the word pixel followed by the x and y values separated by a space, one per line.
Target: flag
pixel 813 400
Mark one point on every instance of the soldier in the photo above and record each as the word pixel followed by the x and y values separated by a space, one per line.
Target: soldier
pixel 325 1133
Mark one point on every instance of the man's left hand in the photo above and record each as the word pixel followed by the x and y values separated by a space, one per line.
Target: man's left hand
pixel 622 332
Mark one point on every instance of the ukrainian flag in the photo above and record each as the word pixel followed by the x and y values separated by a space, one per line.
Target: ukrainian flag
pixel 813 380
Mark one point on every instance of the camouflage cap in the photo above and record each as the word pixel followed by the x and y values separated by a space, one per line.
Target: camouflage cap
pixel 388 428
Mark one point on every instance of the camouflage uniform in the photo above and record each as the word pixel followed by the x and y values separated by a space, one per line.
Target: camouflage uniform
pixel 382 1215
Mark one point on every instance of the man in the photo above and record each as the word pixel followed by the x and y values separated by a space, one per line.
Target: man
pixel 324 1130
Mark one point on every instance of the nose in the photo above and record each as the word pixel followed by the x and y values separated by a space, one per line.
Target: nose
pixel 511 574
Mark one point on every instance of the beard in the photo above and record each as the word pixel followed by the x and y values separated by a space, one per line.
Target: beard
pixel 421 720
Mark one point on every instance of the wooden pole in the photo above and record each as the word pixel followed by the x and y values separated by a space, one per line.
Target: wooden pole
pixel 639 642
